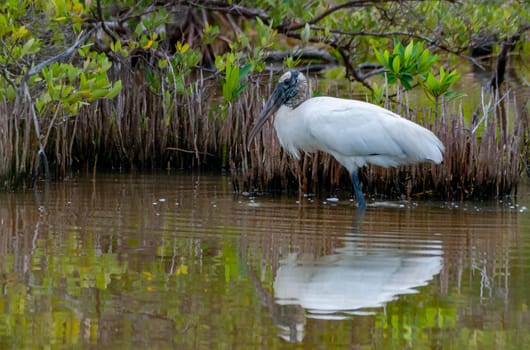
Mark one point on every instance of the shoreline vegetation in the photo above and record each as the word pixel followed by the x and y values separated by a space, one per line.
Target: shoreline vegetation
pixel 146 98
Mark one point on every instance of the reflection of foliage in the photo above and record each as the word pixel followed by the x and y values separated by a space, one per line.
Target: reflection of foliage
pixel 81 286
pixel 52 308
pixel 411 320
pixel 83 267
pixel 96 276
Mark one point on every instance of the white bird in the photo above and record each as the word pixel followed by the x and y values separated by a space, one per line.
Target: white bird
pixel 353 132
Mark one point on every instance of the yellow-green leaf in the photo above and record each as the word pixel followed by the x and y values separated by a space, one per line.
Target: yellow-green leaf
pixel 115 90
pixel 396 64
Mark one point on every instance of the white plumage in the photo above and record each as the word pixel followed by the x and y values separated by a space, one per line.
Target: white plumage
pixel 353 132
pixel 349 281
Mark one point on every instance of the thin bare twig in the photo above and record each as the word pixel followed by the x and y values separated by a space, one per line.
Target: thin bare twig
pixel 188 151
pixel 223 6
pixel 103 25
pixel 355 3
pixel 433 42
pixel 60 56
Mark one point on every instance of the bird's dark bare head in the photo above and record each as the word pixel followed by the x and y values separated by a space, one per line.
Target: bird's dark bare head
pixel 292 88
pixel 291 92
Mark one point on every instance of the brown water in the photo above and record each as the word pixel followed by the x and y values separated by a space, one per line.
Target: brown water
pixel 173 261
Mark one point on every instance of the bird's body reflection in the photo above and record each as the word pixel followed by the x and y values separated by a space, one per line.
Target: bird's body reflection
pixel 353 280
pixel 334 285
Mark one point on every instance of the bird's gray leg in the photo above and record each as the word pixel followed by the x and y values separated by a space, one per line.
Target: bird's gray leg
pixel 358 193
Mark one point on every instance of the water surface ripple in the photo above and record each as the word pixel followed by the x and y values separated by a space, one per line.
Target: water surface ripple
pixel 167 261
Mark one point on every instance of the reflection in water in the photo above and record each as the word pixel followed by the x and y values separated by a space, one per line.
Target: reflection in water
pixel 354 277
pixel 457 252
pixel 343 282
pixel 174 261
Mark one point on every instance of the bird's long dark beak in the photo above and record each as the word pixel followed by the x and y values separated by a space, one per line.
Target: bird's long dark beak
pixel 272 105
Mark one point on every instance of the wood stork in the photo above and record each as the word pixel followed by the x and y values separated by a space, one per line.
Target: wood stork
pixel 353 132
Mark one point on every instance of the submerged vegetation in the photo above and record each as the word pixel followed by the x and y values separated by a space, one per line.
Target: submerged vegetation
pixel 88 85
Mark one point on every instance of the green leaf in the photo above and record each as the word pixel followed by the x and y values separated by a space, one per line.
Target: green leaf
pixel 453 77
pixel 432 83
pixel 408 50
pixel 240 89
pixel 442 74
pixel 73 99
pixel 115 90
pixel 28 47
pixel 245 70
pixel 396 64
pixel 397 46
pixel 162 63
pixel 4 29
pixel 11 93
pixel 99 93
pixel 406 81
pixel 219 63
pixel 452 95
pixel 379 55
pixel 386 60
